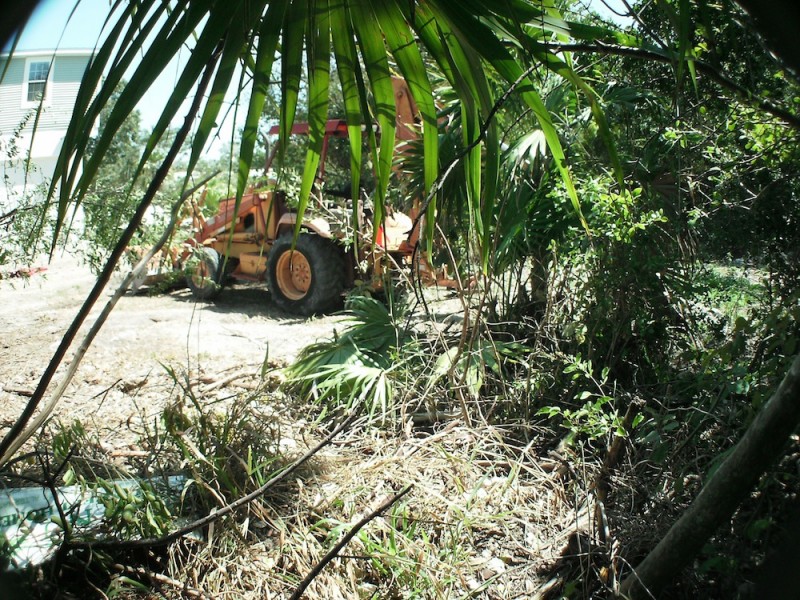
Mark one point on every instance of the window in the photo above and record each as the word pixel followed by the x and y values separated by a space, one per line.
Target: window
pixel 37 72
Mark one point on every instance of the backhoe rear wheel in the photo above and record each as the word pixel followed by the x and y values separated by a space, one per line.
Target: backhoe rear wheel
pixel 309 279
pixel 203 273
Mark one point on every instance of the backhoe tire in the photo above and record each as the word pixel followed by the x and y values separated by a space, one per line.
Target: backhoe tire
pixel 309 279
pixel 203 272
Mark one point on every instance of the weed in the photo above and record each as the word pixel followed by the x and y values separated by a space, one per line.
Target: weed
pixel 597 418
pixel 228 450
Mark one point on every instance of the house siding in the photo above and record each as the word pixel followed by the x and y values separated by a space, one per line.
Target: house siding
pixel 66 78
pixel 51 123
pixel 10 95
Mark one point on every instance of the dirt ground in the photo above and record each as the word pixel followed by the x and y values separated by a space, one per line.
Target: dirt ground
pixel 487 529
pixel 215 345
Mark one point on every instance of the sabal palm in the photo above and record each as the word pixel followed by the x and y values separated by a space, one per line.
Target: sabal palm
pixel 369 41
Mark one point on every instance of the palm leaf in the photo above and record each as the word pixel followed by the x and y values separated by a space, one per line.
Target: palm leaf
pixel 356 366
pixel 155 60
pixel 267 43
pixel 559 66
pixel 461 38
pixel 91 98
pixel 496 54
pixel 291 65
pixel 376 62
pixel 400 40
pixel 231 52
pixel 208 43
pixel 346 66
pixel 319 67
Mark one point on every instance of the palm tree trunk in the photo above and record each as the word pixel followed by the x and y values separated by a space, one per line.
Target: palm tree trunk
pixel 761 445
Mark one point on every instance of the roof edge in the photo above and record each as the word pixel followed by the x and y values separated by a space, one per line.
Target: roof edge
pixel 49 52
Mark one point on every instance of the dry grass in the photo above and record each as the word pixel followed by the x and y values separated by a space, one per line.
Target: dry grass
pixel 492 514
pixel 487 518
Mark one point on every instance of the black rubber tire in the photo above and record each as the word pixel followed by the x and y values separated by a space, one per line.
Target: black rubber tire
pixel 321 290
pixel 203 272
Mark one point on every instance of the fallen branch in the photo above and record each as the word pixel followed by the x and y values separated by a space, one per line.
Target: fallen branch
pixel 602 483
pixel 221 512
pixel 298 593
pixel 761 445
pixel 215 385
pixel 19 391
pixel 162 579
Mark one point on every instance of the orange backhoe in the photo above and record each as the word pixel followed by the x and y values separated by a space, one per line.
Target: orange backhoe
pixel 310 274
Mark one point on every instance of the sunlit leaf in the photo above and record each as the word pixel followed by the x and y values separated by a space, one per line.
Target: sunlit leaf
pixel 319 67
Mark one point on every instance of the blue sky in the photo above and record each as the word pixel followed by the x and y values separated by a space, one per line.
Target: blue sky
pixel 47 24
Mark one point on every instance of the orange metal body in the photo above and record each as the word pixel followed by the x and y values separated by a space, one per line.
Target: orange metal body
pixel 246 233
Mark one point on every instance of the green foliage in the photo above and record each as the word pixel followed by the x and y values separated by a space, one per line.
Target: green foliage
pixel 727 168
pixel 22 211
pixel 112 502
pixel 132 512
pixel 759 225
pixel 754 356
pixel 733 292
pixel 468 366
pixel 597 419
pixel 355 368
pixel 621 281
pixel 116 191
pixel 228 451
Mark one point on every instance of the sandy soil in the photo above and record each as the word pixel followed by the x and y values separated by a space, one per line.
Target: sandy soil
pixel 124 372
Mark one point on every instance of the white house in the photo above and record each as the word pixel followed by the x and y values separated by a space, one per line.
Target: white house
pixel 29 80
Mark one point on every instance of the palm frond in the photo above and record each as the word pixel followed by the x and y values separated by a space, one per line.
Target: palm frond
pixel 355 367
pixel 368 41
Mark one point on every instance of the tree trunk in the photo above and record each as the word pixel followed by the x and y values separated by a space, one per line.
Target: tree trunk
pixel 761 445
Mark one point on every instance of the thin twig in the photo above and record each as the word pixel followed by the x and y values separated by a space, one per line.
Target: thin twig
pixel 298 593
pixel 742 93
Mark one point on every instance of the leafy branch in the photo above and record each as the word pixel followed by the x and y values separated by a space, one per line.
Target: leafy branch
pixel 742 93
